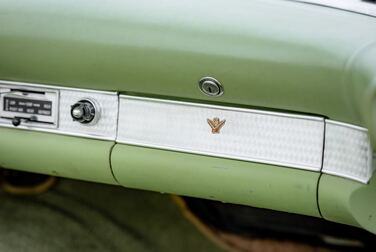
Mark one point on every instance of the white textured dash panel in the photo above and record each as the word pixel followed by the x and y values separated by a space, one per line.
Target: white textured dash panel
pixel 107 123
pixel 274 138
pixel 348 151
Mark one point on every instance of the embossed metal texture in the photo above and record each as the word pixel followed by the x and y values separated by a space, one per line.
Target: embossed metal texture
pixel 106 124
pixel 348 151
pixel 252 135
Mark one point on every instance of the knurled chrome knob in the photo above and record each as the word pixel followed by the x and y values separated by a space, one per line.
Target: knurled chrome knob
pixel 84 111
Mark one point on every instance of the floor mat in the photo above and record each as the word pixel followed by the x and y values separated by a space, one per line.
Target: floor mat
pixel 82 216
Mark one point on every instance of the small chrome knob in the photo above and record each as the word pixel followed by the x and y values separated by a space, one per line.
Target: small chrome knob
pixel 84 111
pixel 78 112
pixel 16 121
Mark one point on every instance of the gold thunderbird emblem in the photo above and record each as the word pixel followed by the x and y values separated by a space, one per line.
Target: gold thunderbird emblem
pixel 216 124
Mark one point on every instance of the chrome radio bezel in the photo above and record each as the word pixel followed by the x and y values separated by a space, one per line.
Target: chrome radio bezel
pixel 35 94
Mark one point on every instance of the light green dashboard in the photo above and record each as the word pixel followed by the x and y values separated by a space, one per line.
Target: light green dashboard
pixel 272 57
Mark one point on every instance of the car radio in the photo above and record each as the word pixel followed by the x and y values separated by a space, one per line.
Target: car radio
pixel 60 110
pixel 29 106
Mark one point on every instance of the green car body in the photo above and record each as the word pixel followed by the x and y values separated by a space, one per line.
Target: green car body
pixel 272 55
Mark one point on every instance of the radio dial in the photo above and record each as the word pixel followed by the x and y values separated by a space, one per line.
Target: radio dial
pixel 84 111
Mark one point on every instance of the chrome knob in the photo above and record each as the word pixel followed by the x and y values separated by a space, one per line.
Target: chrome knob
pixel 78 112
pixel 84 111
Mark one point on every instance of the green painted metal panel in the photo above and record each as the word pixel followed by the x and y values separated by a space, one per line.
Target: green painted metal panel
pixel 259 185
pixel 58 155
pixel 361 79
pixel 349 202
pixel 270 53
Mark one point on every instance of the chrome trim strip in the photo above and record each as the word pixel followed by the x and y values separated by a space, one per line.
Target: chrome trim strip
pixel 59 132
pixel 202 105
pixel 34 85
pixel 346 125
pixel 356 6
pixel 158 137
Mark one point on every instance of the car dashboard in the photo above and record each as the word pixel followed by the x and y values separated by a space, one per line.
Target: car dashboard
pixel 268 104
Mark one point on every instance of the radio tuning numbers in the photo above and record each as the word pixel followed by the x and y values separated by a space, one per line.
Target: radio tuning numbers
pixel 29 106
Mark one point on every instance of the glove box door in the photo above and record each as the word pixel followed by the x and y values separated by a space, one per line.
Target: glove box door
pixel 231 181
pixel 222 153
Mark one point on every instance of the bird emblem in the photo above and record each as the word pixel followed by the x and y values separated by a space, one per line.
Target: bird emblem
pixel 216 124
